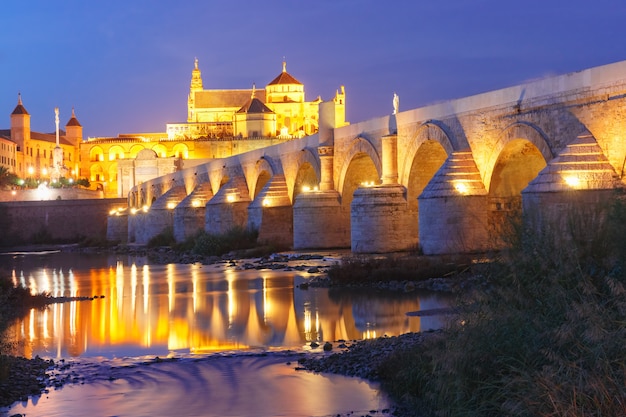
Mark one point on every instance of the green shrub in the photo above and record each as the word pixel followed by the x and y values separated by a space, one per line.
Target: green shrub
pixel 399 267
pixel 207 244
pixel 165 238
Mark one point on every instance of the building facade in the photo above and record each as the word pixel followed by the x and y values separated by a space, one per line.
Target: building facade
pixel 30 154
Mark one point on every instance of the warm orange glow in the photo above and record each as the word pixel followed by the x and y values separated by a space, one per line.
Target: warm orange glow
pixel 461 187
pixel 185 308
pixel 266 202
pixel 572 181
pixel 230 198
pixel 196 203
pixel 171 205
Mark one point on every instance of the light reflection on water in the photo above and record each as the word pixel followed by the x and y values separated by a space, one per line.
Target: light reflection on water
pixel 144 309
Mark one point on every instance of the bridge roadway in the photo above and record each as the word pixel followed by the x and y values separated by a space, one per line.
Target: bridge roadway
pixel 443 178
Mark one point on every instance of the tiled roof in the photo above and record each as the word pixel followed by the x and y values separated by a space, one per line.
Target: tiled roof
pixel 73 122
pixel 20 109
pixel 50 137
pixel 284 78
pixel 225 98
pixel 254 106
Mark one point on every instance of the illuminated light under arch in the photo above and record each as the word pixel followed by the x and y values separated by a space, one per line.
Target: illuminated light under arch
pixel 572 181
pixel 461 187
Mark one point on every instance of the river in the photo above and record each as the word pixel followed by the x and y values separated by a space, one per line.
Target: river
pixel 227 338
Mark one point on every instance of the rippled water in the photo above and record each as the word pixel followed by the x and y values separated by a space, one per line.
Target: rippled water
pixel 196 313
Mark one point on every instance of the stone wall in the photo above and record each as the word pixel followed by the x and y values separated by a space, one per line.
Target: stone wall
pixel 25 222
pixel 49 194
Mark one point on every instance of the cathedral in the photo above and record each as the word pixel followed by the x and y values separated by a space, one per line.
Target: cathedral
pixel 220 123
pixel 278 110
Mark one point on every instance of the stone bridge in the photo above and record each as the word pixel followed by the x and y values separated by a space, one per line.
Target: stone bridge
pixel 443 178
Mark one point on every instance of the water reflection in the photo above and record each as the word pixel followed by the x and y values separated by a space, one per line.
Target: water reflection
pixel 144 309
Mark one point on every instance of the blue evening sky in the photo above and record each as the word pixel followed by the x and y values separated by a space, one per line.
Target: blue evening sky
pixel 125 65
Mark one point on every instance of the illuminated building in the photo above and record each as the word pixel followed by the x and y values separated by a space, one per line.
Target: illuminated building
pixel 220 123
pixel 30 154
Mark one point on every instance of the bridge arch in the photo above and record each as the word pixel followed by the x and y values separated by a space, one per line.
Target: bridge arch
pixel 307 174
pixel 428 131
pixel 517 158
pixel 263 171
pixel 360 152
pixel 511 137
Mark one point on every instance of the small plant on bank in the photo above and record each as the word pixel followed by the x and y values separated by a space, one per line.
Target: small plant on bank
pixel 398 267
pixel 165 238
pixel 208 244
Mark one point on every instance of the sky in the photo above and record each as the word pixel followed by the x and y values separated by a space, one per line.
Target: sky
pixel 125 65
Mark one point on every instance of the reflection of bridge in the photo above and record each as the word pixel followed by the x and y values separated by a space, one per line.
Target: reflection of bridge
pixel 187 307
pixel 442 177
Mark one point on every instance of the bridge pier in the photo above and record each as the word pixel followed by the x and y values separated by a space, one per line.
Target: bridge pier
pixel 271 214
pixel 571 197
pixel 117 227
pixel 453 209
pixel 228 209
pixel 189 215
pixel 379 216
pixel 319 222
pixel 380 221
pixel 160 215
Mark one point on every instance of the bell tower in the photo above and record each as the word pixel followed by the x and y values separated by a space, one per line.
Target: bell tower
pixel 20 125
pixel 194 86
pixel 74 130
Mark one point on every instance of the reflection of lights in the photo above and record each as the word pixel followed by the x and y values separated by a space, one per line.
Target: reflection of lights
pixel 31 325
pixel 73 308
pixel 145 283
pixel 232 305
pixel 194 283
pixel 133 285
pixel 73 286
pixel 267 304
pixel 572 181
pixel 171 287
pixel 46 333
pixel 369 334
